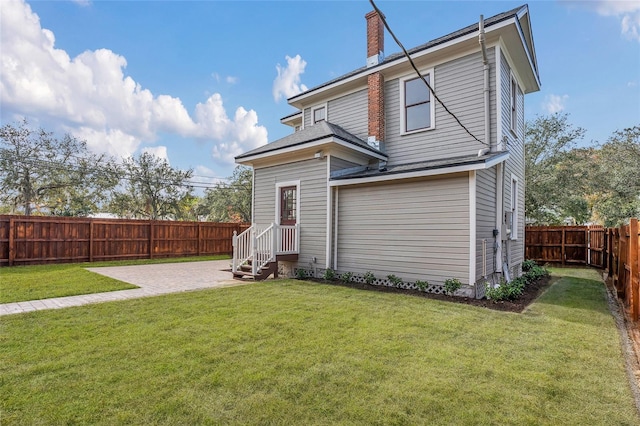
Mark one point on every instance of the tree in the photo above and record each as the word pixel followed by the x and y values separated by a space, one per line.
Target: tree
pixel 49 174
pixel 618 184
pixel 548 178
pixel 229 202
pixel 152 189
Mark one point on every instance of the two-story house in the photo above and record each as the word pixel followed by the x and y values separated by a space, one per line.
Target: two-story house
pixel 378 176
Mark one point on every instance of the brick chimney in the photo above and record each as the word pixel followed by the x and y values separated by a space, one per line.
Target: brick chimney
pixel 375 38
pixel 375 48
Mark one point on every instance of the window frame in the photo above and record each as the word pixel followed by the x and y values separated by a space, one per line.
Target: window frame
pixel 515 186
pixel 317 108
pixel 513 103
pixel 278 200
pixel 403 107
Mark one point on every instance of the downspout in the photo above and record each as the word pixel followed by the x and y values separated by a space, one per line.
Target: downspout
pixel 493 147
pixel 487 111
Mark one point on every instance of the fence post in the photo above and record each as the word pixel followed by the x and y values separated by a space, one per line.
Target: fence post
pixel 633 263
pixel 199 238
pixel 620 272
pixel 563 242
pixel 12 249
pixel 90 240
pixel 150 239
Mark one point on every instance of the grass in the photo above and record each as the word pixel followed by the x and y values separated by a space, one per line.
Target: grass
pixel 21 283
pixel 295 352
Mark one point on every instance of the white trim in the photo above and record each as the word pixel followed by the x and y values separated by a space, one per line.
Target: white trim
pixel 499 213
pixel 415 56
pixel 329 227
pixel 472 227
pixel 423 173
pixel 279 185
pixel 529 54
pixel 253 195
pixel 329 139
pixel 498 69
pixel 513 102
pixel 515 211
pixel 314 108
pixel 335 234
pixel 432 104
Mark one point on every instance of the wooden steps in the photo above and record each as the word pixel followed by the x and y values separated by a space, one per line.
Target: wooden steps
pixel 264 272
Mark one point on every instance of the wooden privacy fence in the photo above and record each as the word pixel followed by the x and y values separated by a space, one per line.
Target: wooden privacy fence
pixel 613 249
pixel 623 261
pixel 28 240
pixel 566 245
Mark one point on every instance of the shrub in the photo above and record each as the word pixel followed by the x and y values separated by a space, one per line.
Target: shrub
pixel 346 277
pixel 329 274
pixel 527 265
pixel 507 290
pixel 422 285
pixel 395 281
pixel 369 278
pixel 301 274
pixel 451 285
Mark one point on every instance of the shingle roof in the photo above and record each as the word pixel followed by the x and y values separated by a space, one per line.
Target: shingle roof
pixel 460 33
pixel 466 160
pixel 313 133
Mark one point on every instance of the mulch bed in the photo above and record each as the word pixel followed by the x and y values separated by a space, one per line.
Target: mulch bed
pixel 530 293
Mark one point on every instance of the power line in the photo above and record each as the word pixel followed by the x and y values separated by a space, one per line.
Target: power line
pixel 413 65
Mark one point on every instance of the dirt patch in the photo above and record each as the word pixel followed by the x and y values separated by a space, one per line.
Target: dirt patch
pixel 530 293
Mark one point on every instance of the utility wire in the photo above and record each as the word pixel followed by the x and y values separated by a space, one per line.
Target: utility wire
pixel 386 25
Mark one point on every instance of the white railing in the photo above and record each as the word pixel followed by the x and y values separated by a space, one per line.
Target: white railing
pixel 288 239
pixel 242 248
pixel 261 245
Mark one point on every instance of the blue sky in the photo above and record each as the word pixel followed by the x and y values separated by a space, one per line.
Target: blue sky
pixel 198 82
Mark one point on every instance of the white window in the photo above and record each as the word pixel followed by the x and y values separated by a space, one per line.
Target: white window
pixel 319 114
pixel 514 207
pixel 514 104
pixel 417 108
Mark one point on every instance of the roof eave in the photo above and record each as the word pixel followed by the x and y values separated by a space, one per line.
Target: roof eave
pixel 297 100
pixel 456 168
pixel 248 159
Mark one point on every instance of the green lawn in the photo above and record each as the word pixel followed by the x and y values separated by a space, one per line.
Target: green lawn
pixel 20 283
pixel 293 352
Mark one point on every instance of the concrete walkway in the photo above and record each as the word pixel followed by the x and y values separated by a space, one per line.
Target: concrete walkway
pixel 153 280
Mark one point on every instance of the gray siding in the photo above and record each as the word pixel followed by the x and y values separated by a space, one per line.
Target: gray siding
pixel 485 219
pixel 459 83
pixel 515 164
pixel 415 229
pixel 350 112
pixel 313 201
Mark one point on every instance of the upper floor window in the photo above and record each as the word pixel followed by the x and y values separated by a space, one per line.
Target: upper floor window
pixel 319 114
pixel 417 106
pixel 514 104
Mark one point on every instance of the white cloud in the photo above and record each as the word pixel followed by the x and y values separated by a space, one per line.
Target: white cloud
pixel 91 97
pixel 82 2
pixel 554 103
pixel 158 151
pixel 627 10
pixel 287 82
pixel 228 79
